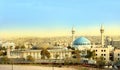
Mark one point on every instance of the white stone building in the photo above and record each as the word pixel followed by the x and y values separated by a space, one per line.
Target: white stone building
pixel 36 54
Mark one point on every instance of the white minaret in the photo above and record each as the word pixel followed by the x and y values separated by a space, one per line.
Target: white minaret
pixel 102 36
pixel 73 34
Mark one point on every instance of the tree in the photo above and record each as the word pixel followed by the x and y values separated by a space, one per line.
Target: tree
pixel 11 47
pixel 30 58
pixel 90 54
pixel 67 60
pixel 17 47
pixel 100 61
pixel 45 53
pixel 1 53
pixel 56 56
pixel 3 48
pixel 22 47
pixel 5 60
pixel 0 48
pixel 69 47
pixel 77 56
pixel 35 47
pixel 55 44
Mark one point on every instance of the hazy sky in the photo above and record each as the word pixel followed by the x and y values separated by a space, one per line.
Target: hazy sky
pixel 56 17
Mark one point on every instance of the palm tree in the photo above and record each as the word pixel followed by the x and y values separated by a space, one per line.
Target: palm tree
pixel 90 54
pixel 45 53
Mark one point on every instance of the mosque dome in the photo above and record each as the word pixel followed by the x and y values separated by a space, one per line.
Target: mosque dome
pixel 81 41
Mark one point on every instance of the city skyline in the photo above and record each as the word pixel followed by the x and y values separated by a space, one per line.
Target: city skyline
pixel 56 18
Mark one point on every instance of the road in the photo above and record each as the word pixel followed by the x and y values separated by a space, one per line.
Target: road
pixel 30 67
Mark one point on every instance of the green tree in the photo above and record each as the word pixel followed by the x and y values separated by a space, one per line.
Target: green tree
pixel 56 56
pixel 17 47
pixel 30 58
pixel 5 60
pixel 67 60
pixel 77 56
pixel 55 44
pixel 69 47
pixel 11 47
pixel 90 54
pixel 3 53
pixel 45 53
pixel 3 48
pixel 100 61
pixel 22 47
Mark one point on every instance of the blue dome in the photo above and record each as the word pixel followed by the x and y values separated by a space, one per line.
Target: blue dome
pixel 81 41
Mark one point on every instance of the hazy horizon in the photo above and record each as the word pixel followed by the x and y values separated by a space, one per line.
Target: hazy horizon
pixel 50 18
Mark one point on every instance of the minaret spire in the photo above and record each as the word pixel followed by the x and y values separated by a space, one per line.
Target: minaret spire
pixel 102 35
pixel 73 33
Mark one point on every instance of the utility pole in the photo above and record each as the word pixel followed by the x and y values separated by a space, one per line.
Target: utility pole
pixel 12 64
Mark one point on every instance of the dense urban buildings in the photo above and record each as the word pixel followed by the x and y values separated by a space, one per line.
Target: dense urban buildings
pixel 106 48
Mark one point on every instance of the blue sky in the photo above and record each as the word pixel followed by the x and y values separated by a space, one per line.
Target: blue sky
pixel 58 16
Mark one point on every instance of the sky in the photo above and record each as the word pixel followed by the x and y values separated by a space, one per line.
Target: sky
pixel 47 18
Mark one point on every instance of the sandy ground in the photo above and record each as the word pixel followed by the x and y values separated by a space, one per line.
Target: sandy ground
pixel 29 67
pixel 41 67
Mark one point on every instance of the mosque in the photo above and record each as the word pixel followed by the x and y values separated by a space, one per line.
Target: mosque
pixel 80 43
pixel 84 44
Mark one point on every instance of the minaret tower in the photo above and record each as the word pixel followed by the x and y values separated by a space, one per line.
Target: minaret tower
pixel 73 34
pixel 102 36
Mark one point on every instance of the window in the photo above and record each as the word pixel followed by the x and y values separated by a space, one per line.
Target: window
pixel 118 58
pixel 118 54
pixel 101 50
pixel 101 54
pixel 96 50
pixel 104 54
pixel 104 50
pixel 104 58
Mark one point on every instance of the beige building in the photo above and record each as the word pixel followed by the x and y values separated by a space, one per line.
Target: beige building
pixel 62 53
pixel 23 54
pixel 36 54
pixel 117 55
pixel 101 52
